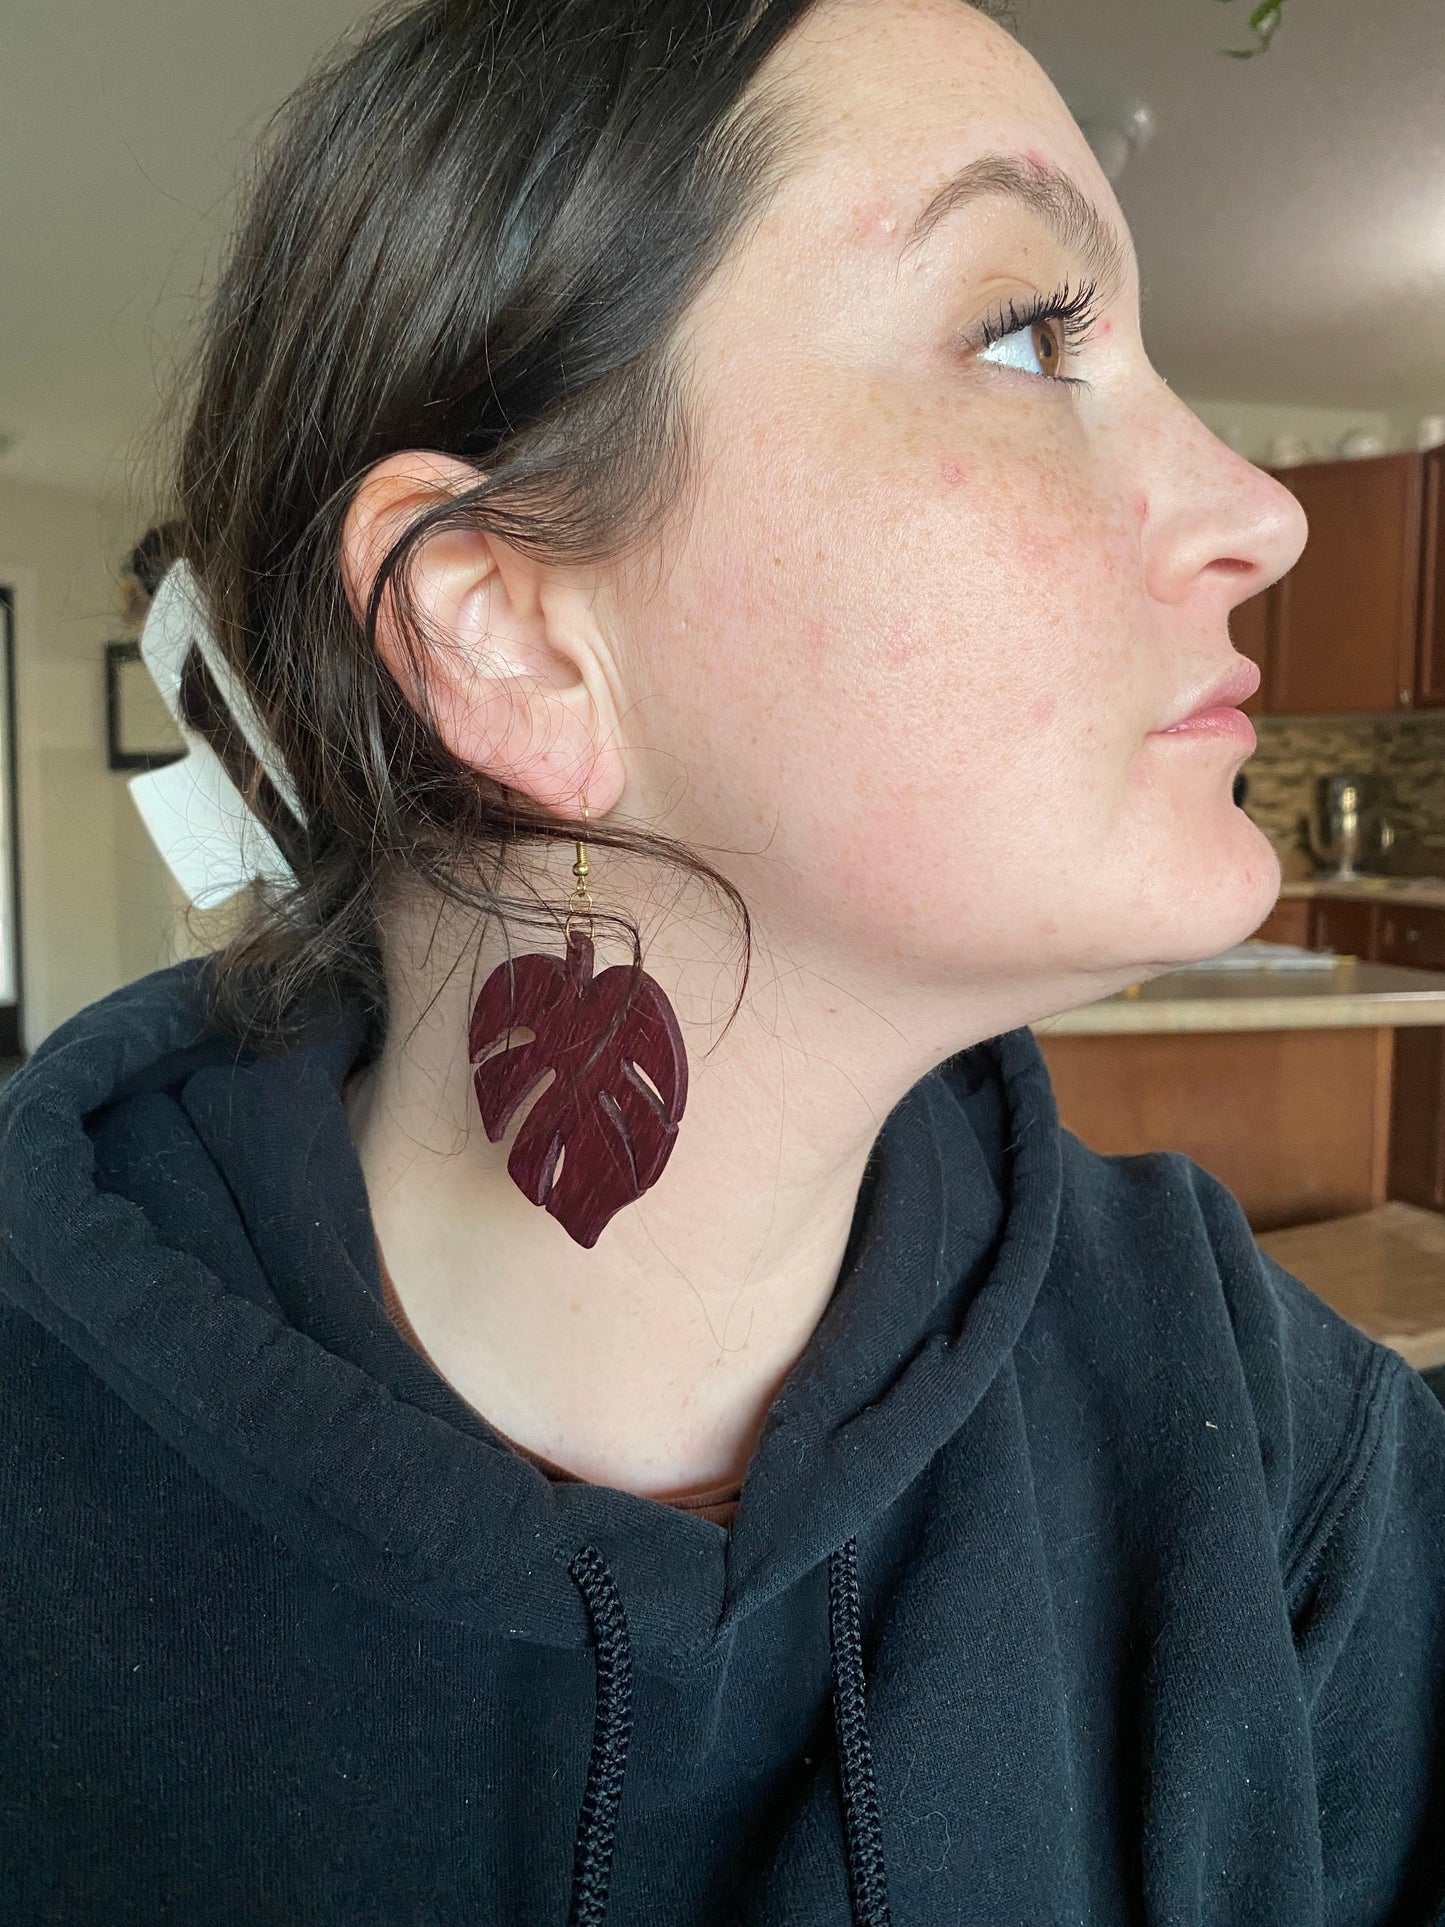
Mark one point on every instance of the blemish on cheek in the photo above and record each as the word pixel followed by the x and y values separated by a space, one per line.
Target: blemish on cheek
pixel 951 472
pixel 900 644
pixel 1140 506
pixel 1042 708
pixel 815 638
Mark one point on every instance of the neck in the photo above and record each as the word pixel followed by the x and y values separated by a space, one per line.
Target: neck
pixel 649 1361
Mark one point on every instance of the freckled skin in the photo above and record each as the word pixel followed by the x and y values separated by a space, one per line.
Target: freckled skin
pixel 936 606
pixel 900 645
pixel 814 632
pixel 894 670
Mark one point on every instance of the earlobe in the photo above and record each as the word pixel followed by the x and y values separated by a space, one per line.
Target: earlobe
pixel 507 696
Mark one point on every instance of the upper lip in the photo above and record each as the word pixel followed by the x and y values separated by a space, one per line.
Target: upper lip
pixel 1234 685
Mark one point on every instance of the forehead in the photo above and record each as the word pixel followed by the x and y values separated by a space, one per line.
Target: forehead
pixel 904 93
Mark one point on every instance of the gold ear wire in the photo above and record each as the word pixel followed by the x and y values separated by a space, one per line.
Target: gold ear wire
pixel 580 902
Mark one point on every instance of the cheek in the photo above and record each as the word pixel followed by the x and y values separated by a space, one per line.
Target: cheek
pixel 901 644
pixel 998 638
pixel 917 678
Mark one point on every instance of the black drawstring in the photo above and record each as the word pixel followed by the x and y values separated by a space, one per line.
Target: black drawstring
pixel 612 1729
pixel 862 1820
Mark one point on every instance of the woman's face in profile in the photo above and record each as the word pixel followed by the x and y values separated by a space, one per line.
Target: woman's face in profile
pixel 936 604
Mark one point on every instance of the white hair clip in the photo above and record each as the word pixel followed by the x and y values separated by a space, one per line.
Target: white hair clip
pixel 213 844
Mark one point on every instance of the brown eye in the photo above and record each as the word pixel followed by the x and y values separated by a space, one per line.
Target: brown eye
pixel 1050 329
pixel 1047 346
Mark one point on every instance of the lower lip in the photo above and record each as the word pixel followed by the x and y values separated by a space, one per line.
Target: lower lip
pixel 1232 724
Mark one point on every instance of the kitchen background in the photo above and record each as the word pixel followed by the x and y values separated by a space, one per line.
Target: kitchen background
pixel 1287 211
pixel 1405 753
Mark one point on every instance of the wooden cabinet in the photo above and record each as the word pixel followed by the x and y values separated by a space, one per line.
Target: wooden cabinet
pixel 1431 689
pixel 1411 935
pixel 1324 1121
pixel 1344 925
pixel 1417 1119
pixel 1295 1122
pixel 1374 931
pixel 1358 624
pixel 1414 935
pixel 1288 922
pixel 1343 635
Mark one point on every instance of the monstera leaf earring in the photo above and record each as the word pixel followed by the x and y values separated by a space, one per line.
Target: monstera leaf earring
pixel 602 1132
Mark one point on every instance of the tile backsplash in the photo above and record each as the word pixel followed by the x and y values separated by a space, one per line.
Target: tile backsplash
pixel 1406 752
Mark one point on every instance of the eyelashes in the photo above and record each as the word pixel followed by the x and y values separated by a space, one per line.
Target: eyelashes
pixel 1076 314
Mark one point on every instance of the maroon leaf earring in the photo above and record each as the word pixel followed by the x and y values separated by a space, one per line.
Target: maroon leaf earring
pixel 609 1118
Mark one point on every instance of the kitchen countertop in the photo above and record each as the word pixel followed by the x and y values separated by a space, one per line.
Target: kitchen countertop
pixel 1381 1269
pixel 1347 994
pixel 1418 890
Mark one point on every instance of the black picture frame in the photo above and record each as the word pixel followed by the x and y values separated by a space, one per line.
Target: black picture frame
pixel 123 661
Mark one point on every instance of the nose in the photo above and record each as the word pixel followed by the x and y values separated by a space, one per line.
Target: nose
pixel 1216 525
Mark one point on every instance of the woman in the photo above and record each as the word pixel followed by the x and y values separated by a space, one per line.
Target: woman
pixel 721 439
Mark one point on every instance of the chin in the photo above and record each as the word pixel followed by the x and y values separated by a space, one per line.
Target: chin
pixel 1242 904
pixel 1216 901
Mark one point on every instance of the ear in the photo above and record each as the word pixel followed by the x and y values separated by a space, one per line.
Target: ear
pixel 514 666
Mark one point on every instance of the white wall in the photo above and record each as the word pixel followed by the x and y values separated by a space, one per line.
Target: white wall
pixel 96 904
pixel 1250 426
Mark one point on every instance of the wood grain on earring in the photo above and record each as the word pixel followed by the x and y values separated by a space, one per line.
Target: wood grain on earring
pixel 609 1118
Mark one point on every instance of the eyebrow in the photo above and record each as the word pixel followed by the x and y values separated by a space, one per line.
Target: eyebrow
pixel 1046 191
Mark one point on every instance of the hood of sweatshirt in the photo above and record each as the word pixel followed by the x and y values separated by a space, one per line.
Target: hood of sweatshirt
pixel 211 1325
pixel 190 1219
pixel 1104 1618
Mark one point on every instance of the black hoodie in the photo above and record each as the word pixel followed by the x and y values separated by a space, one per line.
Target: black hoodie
pixel 1089 1571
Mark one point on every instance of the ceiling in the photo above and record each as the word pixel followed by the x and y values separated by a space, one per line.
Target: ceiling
pixel 1289 210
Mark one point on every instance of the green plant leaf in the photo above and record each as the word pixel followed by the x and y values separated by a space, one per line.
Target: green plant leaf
pixel 1264 21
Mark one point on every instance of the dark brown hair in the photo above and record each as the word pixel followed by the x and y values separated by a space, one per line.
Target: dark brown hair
pixel 475 231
